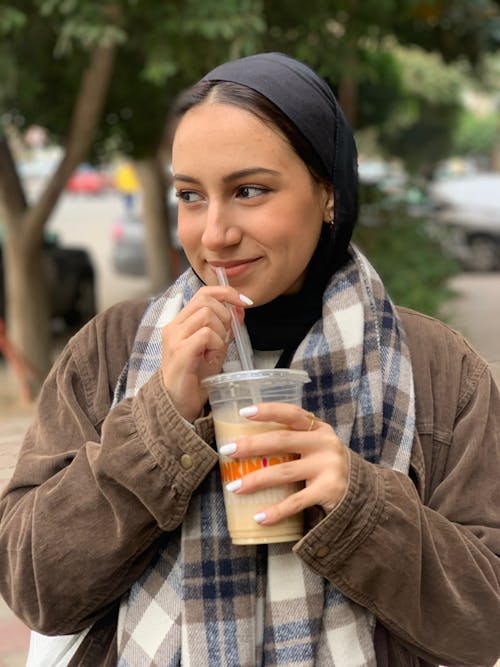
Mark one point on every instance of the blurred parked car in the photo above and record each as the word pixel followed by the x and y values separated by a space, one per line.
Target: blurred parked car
pixel 71 281
pixel 128 250
pixel 468 210
pixel 89 180
pixel 472 237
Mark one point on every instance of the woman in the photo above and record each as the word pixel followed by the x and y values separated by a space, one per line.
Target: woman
pixel 112 521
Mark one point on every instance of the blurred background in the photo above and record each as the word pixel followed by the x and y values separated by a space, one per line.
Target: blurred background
pixel 87 214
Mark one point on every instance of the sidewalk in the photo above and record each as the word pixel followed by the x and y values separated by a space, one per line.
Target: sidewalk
pixel 476 314
pixel 14 420
pixel 472 314
pixel 14 636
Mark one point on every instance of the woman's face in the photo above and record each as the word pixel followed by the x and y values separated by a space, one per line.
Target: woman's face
pixel 247 202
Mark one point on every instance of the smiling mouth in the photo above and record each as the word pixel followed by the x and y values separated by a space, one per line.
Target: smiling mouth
pixel 233 263
pixel 233 267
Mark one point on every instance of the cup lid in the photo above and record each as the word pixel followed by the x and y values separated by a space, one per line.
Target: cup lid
pixel 261 375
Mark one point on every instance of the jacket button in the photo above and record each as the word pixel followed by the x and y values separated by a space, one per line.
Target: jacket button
pixel 322 551
pixel 186 461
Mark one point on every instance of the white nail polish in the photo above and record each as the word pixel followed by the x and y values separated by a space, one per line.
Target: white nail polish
pixel 249 411
pixel 246 300
pixel 259 517
pixel 234 486
pixel 230 448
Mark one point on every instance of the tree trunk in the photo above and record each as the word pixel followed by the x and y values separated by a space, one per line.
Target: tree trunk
pixel 348 99
pixel 160 255
pixel 87 111
pixel 348 83
pixel 26 291
pixel 348 86
pixel 28 310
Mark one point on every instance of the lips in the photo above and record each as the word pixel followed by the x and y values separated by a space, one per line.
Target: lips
pixel 229 265
pixel 233 267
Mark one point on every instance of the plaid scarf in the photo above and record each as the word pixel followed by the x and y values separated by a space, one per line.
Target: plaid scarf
pixel 207 602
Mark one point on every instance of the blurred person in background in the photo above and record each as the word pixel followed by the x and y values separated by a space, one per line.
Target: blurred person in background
pixel 127 184
pixel 113 529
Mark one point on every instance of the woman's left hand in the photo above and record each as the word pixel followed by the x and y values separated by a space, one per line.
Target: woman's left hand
pixel 322 463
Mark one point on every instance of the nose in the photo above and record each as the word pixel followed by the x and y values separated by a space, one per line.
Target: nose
pixel 220 229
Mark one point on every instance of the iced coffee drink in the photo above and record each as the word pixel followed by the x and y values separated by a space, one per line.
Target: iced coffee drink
pixel 228 393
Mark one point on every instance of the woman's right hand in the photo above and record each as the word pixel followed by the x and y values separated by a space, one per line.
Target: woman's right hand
pixel 194 345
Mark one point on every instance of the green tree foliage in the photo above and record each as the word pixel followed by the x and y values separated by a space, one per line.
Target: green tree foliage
pixel 408 96
pixel 421 128
pixel 165 46
pixel 478 130
pixel 162 48
pixel 45 49
pixel 457 29
pixel 381 87
pixel 476 134
pixel 410 260
pixel 168 47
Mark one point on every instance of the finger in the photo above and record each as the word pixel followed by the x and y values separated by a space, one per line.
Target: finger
pixel 199 302
pixel 211 295
pixel 326 482
pixel 293 504
pixel 286 472
pixel 277 441
pixel 203 346
pixel 206 316
pixel 292 416
pixel 210 314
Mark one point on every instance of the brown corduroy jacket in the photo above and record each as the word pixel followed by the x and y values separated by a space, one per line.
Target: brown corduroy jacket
pixel 94 492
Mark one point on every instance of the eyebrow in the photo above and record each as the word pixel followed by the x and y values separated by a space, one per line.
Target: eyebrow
pixel 235 175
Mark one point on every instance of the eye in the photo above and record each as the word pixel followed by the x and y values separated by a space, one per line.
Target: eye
pixel 251 191
pixel 188 196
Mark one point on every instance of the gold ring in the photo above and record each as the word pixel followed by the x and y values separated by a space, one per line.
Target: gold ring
pixel 314 422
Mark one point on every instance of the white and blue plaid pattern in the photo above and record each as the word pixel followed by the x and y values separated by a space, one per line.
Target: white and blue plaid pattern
pixel 206 602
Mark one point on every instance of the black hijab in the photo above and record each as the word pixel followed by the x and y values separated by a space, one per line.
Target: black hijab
pixel 310 104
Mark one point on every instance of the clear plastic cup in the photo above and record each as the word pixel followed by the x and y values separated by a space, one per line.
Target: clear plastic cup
pixel 228 393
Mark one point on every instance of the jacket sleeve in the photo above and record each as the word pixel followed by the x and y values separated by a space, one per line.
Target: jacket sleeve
pixel 429 572
pixel 89 501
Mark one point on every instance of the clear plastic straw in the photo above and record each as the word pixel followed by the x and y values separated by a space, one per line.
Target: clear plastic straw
pixel 241 337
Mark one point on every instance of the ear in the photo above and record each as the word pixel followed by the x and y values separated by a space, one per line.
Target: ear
pixel 329 206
